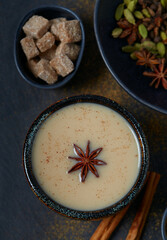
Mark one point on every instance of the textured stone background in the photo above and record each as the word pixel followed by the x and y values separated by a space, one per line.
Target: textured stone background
pixel 22 216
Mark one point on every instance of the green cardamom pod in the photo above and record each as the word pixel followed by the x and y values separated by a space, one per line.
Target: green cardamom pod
pixel 163 36
pixel 131 6
pixel 161 49
pixel 146 13
pixel 143 31
pixel 138 46
pixel 133 56
pixel 129 16
pixel 128 49
pixel 149 45
pixel 116 32
pixel 119 11
pixel 164 3
pixel 138 14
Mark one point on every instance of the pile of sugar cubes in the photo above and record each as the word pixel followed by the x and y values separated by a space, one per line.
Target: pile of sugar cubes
pixel 50 46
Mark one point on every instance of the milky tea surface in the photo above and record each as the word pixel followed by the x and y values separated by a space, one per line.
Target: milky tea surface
pixel 76 124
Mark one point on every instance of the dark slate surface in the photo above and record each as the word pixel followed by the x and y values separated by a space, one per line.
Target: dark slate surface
pixel 22 215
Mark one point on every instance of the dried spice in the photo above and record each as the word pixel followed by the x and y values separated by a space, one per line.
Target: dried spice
pixel 159 74
pixel 129 16
pixel 131 5
pixel 150 46
pixel 153 23
pixel 161 49
pixel 129 30
pixel 146 58
pixel 143 23
pixel 146 13
pixel 119 11
pixel 164 3
pixel 86 161
pixel 143 31
pixel 138 14
pixel 117 32
pixel 163 35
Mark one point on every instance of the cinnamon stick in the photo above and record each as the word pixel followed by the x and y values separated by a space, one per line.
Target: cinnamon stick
pixel 108 225
pixel 156 181
pixel 105 223
pixel 141 215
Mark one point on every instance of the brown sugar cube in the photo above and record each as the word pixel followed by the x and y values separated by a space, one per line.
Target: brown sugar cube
pixel 29 47
pixel 32 65
pixel 46 72
pixel 57 20
pixel 49 54
pixel 36 26
pixel 46 42
pixel 69 31
pixel 62 64
pixel 53 28
pixel 69 49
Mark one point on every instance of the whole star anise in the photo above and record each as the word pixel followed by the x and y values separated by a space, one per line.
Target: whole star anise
pixel 159 74
pixel 146 58
pixel 86 161
pixel 129 30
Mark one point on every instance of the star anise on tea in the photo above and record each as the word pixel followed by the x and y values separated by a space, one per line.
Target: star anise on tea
pixel 86 161
pixel 146 58
pixel 159 74
pixel 129 30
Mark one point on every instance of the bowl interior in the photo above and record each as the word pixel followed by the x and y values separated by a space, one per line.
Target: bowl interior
pixel 122 67
pixel 48 12
pixel 85 215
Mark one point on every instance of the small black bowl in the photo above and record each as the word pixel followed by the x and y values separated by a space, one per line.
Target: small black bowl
pixel 164 225
pixel 48 12
pixel 85 215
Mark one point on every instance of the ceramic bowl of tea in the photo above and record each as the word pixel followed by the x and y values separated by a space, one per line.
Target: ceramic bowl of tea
pixel 86 157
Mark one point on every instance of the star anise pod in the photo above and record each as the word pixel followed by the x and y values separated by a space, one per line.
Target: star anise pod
pixel 86 161
pixel 146 58
pixel 129 30
pixel 159 74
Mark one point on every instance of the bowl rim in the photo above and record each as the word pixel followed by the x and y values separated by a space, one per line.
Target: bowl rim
pixel 25 18
pixel 72 213
pixel 158 109
pixel 163 222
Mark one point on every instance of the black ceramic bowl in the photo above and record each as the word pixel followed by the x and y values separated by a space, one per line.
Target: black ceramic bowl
pixel 48 12
pixel 85 215
pixel 164 225
pixel 122 67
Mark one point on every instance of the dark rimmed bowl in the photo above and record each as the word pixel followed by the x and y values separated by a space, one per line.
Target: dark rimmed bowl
pixel 164 225
pixel 49 12
pixel 122 67
pixel 85 215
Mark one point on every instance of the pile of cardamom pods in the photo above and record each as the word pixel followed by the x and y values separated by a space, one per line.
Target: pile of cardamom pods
pixel 143 23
